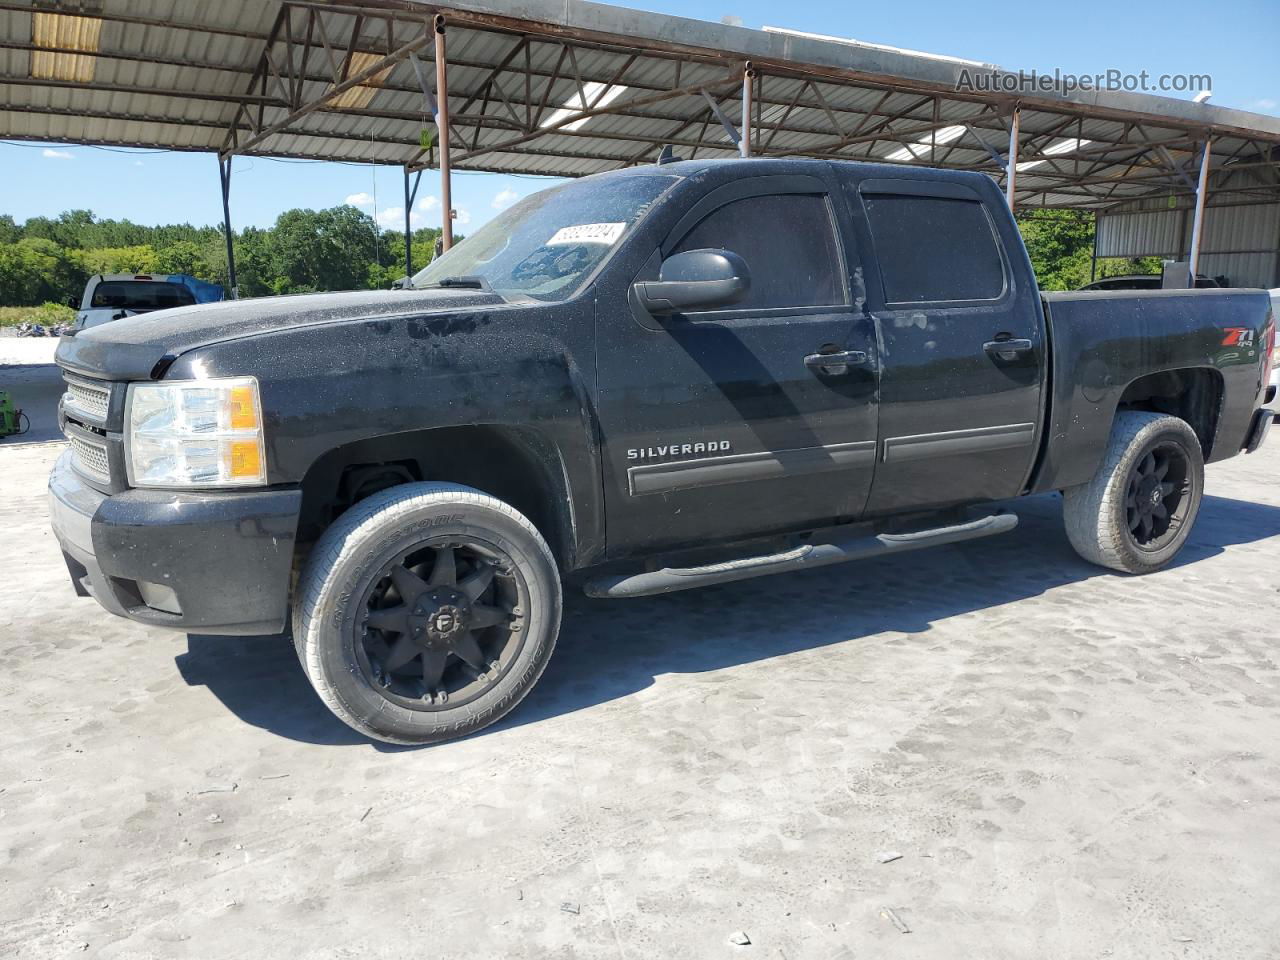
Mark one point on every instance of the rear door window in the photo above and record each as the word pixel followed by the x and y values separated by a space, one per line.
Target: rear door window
pixel 789 244
pixel 141 295
pixel 934 249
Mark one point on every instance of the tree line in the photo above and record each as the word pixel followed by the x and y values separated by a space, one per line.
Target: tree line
pixel 49 259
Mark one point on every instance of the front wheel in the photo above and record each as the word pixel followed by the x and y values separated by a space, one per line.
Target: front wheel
pixel 1137 511
pixel 427 612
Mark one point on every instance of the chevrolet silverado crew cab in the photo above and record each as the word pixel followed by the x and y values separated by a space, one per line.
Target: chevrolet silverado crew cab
pixel 642 381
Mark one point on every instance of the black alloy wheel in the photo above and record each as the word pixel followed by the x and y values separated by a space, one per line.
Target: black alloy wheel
pixel 1157 496
pixel 442 624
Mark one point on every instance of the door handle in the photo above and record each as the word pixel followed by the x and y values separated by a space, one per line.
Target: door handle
pixel 1009 348
pixel 835 363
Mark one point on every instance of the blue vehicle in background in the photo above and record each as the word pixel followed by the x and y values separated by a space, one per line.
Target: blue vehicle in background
pixel 113 296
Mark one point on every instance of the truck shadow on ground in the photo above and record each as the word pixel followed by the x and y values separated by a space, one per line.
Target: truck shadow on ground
pixel 610 649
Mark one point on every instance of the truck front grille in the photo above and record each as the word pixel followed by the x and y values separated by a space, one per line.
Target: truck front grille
pixel 90 457
pixel 90 399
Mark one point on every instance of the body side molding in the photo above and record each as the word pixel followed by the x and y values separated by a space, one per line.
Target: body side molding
pixel 736 468
pixel 956 442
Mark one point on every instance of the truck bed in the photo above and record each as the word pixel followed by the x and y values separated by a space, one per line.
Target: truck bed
pixel 1106 343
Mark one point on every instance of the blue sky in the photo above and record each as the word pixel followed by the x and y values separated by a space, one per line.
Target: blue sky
pixel 1236 43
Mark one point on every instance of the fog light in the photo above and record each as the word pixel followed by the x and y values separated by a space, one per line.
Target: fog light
pixel 159 597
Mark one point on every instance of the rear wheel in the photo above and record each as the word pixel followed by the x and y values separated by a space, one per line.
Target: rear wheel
pixel 1137 511
pixel 427 612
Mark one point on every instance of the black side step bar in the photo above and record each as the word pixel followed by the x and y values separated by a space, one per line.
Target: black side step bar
pixel 669 580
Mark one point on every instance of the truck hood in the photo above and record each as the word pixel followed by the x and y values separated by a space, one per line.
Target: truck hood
pixel 132 348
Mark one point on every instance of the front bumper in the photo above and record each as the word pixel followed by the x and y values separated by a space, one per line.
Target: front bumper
pixel 216 562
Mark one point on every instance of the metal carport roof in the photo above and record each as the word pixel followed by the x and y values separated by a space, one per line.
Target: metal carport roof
pixel 335 81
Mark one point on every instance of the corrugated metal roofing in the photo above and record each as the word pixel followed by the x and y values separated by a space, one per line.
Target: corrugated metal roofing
pixel 273 77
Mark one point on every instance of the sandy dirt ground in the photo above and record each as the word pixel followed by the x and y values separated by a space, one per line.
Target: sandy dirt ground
pixel 1071 764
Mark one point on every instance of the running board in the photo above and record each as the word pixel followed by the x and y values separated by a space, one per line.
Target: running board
pixel 669 579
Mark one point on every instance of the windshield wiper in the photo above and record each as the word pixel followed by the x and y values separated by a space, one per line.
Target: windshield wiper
pixel 473 283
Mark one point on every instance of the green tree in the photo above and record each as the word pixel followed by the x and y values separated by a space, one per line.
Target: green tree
pixel 323 250
pixel 10 232
pixel 136 259
pixel 35 270
pixel 255 263
pixel 1060 245
pixel 50 258
pixel 182 256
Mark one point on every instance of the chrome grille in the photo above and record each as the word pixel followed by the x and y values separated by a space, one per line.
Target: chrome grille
pixel 92 400
pixel 90 457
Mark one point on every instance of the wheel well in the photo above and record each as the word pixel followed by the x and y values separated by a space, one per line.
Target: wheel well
pixel 1193 395
pixel 514 465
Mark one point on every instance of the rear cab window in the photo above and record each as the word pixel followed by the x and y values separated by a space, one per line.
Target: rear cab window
pixel 140 295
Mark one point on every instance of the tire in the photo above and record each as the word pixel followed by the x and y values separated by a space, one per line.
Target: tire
pixel 1105 517
pixel 398 649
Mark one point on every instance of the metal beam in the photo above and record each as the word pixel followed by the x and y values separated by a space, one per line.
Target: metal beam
pixel 748 78
pixel 732 132
pixel 239 98
pixel 1176 167
pixel 542 131
pixel 390 60
pixel 874 133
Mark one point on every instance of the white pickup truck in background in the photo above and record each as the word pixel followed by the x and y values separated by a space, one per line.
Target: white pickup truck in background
pixel 112 296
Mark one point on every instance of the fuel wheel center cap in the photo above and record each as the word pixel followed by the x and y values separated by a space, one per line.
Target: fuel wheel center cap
pixel 446 620
pixel 1149 494
pixel 439 617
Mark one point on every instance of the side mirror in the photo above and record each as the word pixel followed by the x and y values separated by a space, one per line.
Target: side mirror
pixel 73 303
pixel 695 280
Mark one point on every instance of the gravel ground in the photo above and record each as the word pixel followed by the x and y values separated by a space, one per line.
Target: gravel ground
pixel 1071 764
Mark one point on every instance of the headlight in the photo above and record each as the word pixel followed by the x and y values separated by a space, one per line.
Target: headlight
pixel 195 433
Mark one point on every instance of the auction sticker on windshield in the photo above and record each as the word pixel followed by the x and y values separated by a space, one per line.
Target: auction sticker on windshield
pixel 606 233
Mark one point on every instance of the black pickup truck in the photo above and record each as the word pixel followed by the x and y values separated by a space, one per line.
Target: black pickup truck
pixel 642 381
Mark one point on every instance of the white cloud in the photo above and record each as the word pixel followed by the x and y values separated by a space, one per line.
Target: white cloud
pixel 137 163
pixel 392 218
pixel 504 199
pixel 50 154
pixel 360 199
pixel 1266 103
pixel 429 209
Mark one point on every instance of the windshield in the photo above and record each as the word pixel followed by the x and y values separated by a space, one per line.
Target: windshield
pixel 140 295
pixel 547 244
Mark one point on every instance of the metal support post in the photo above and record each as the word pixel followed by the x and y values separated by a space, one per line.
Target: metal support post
pixel 1011 172
pixel 224 174
pixel 748 78
pixel 1197 225
pixel 442 121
